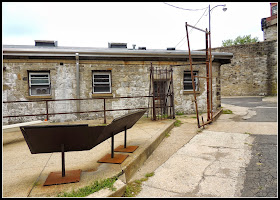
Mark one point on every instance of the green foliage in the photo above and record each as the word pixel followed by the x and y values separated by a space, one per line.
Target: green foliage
pixel 179 113
pixel 96 186
pixel 150 174
pixel 226 111
pixel 177 123
pixel 132 189
pixel 239 40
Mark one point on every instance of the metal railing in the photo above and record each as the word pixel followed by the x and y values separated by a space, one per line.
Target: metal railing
pixel 104 110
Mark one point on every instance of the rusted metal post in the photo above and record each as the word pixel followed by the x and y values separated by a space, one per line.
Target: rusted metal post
pixel 104 110
pixel 207 77
pixel 47 109
pixel 211 92
pixel 63 160
pixel 190 60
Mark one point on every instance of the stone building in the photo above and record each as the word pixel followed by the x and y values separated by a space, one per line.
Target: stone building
pixel 269 24
pixel 52 72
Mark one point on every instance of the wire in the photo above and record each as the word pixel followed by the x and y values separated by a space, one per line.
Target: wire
pixel 184 8
pixel 191 29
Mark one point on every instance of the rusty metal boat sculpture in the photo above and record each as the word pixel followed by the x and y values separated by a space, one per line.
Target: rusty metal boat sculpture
pixel 77 137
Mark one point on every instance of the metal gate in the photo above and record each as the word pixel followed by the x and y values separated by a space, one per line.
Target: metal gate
pixel 161 89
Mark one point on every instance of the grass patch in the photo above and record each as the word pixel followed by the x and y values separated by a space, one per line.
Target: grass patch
pixel 179 113
pixel 177 123
pixel 94 187
pixel 248 133
pixel 226 111
pixel 134 188
pixel 149 174
pixel 167 134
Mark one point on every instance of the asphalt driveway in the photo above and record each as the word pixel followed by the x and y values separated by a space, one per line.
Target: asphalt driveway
pixel 265 111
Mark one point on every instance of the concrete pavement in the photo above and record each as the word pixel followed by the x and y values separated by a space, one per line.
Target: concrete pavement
pixel 214 163
pixel 188 162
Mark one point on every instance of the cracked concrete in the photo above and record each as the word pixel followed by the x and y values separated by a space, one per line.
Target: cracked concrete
pixel 214 163
pixel 209 165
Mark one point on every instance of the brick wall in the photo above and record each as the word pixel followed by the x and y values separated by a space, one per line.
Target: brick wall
pixel 253 69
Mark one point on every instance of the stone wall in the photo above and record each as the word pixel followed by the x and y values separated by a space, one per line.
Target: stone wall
pixel 129 78
pixel 253 69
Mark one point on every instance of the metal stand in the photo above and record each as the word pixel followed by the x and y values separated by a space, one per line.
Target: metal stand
pixel 56 178
pixel 113 158
pixel 63 160
pixel 125 148
pixel 112 145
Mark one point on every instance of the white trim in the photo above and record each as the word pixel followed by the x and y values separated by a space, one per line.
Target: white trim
pixel 21 124
pixel 101 73
pixel 48 85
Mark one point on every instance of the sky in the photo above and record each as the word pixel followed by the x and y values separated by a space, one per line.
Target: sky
pixel 154 25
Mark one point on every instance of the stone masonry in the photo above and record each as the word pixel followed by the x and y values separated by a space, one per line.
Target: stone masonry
pixel 129 78
pixel 252 71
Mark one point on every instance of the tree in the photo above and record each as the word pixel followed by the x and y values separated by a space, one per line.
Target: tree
pixel 239 40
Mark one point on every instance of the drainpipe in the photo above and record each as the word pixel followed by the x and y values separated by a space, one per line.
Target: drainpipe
pixel 78 84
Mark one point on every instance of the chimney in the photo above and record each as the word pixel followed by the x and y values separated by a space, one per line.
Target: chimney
pixel 117 45
pixel 142 48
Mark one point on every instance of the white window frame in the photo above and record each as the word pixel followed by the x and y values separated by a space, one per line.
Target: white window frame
pixel 100 83
pixel 195 73
pixel 48 84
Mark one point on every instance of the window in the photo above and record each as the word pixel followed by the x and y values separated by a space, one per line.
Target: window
pixel 188 81
pixel 101 81
pixel 39 84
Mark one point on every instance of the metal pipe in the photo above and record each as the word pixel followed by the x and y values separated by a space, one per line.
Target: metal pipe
pixel 190 60
pixel 211 92
pixel 172 94
pixel 207 75
pixel 104 110
pixel 196 28
pixel 124 137
pixel 47 110
pixel 153 88
pixel 78 83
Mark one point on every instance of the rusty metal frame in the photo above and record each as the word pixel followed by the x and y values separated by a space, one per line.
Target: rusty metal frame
pixel 166 98
pixel 208 77
pixel 47 114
